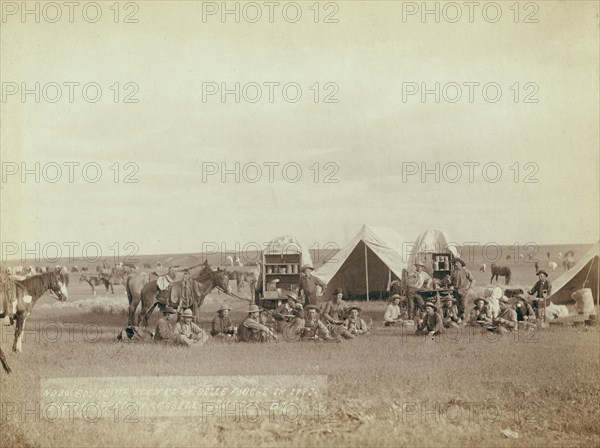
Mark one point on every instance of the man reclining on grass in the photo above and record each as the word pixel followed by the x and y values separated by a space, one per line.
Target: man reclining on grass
pixel 187 333
pixel 481 313
pixel 251 330
pixel 506 322
pixel 313 328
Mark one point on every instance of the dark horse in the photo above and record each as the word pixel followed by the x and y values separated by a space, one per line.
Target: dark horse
pixel 207 280
pixel 27 292
pixel 503 271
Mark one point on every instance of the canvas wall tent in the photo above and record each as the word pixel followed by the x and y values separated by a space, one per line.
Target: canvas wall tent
pixel 583 275
pixel 428 242
pixel 373 255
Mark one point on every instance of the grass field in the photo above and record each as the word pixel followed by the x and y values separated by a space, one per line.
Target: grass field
pixel 386 389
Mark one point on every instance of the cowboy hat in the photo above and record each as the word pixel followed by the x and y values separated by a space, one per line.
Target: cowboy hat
pixel 504 299
pixel 354 308
pixel 541 271
pixel 396 296
pixel 431 305
pixel 338 291
pixel 458 260
pixel 421 264
pixel 447 299
pixel 168 310
pixel 224 307
pixel 291 295
pixel 187 313
pixel 305 267
pixel 312 307
pixel 484 300
pixel 253 309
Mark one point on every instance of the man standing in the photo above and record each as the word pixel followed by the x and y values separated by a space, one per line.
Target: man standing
pixel 541 290
pixel 184 294
pixel 308 285
pixel 250 330
pixel 166 325
pixel 462 281
pixel 188 333
pixel 417 280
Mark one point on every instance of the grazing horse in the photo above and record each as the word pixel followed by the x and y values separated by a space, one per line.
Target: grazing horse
pixel 27 292
pixel 111 280
pixel 207 280
pixel 503 271
pixel 92 280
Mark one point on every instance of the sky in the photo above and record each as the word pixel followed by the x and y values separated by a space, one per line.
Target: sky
pixel 361 153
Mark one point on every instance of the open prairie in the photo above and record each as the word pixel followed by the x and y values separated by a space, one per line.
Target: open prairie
pixel 389 388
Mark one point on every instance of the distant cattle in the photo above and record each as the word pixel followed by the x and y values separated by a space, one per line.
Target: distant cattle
pixel 482 268
pixel 74 269
pixel 552 265
pixel 147 266
pixel 84 269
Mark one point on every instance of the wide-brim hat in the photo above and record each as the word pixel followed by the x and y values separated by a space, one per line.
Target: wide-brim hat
pixel 224 307
pixel 482 299
pixel 253 309
pixel 305 267
pixel 421 264
pixel 431 305
pixel 458 260
pixel 541 271
pixel 504 299
pixel 292 295
pixel 312 307
pixel 447 299
pixel 396 296
pixel 187 313
pixel 338 291
pixel 168 310
pixel 521 297
pixel 354 308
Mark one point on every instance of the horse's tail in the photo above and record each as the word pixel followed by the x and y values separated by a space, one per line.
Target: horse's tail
pixel 128 289
pixel 5 365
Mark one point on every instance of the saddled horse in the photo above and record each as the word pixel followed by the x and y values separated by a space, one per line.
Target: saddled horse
pixel 503 271
pixel 206 280
pixel 27 292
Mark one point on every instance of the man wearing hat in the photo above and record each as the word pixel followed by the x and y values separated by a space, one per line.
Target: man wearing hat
pixel 450 312
pixel 418 279
pixel 524 310
pixel 165 329
pixel 334 314
pixel 287 312
pixel 354 324
pixel 541 291
pixel 251 330
pixel 462 281
pixel 506 321
pixel 221 324
pixel 313 328
pixel 185 293
pixel 481 313
pixel 188 333
pixel 308 285
pixel 393 313
pixel 432 323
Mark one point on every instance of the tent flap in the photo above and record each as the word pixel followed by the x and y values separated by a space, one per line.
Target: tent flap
pixel 583 275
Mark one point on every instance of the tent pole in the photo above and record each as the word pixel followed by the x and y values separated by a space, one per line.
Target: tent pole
pixel 366 272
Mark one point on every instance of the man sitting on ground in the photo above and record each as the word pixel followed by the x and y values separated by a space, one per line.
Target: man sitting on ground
pixel 481 313
pixel 450 312
pixel 313 328
pixel 189 334
pixel 165 329
pixel 432 323
pixel 354 324
pixel 393 313
pixel 251 330
pixel 287 312
pixel 506 321
pixel 221 325
pixel 524 310
pixel 334 314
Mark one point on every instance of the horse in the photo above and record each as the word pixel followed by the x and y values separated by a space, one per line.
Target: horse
pixel 92 280
pixel 503 271
pixel 5 365
pixel 111 280
pixel 147 266
pixel 27 292
pixel 482 268
pixel 207 280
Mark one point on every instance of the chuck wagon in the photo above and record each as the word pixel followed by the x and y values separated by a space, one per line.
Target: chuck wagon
pixel 281 262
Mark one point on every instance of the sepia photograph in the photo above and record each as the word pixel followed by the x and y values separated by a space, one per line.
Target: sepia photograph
pixel 299 223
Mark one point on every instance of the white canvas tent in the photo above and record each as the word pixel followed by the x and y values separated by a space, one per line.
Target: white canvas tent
pixel 368 261
pixel 288 245
pixel 583 275
pixel 428 242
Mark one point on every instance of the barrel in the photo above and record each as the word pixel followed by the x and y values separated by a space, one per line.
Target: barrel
pixel 584 301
